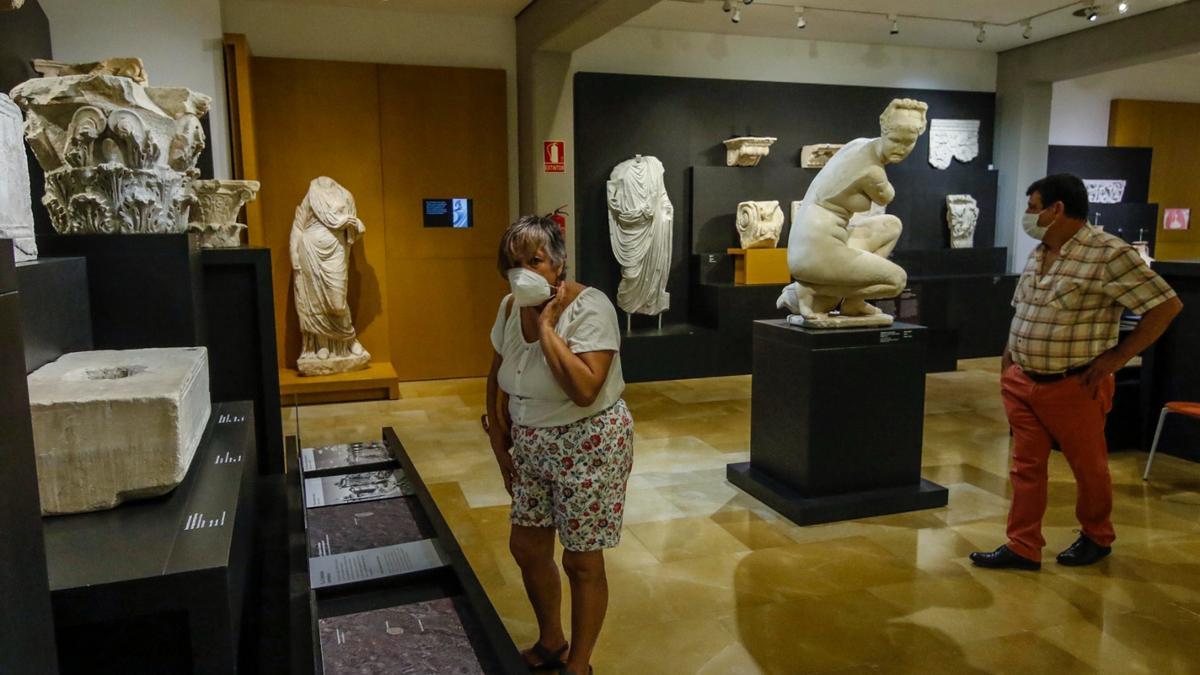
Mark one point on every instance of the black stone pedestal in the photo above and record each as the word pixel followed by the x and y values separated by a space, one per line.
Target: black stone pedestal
pixel 836 423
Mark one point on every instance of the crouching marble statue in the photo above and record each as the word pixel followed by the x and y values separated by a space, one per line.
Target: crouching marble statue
pixel 325 227
pixel 838 267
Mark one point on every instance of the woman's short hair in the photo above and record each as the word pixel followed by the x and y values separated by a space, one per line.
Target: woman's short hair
pixel 523 238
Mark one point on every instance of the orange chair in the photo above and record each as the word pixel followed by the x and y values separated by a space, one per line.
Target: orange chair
pixel 1178 407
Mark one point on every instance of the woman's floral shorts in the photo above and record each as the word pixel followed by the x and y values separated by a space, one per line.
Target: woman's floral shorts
pixel 573 478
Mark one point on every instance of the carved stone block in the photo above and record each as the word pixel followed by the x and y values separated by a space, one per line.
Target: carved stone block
pixel 747 150
pixel 952 139
pixel 118 155
pixel 215 211
pixel 817 156
pixel 759 224
pixel 962 213
pixel 112 426
pixel 16 209
pixel 1105 191
pixel 133 68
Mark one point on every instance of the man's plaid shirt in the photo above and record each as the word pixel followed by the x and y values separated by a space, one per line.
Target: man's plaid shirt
pixel 1070 315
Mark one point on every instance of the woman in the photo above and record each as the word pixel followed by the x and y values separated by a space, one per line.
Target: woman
pixel 558 366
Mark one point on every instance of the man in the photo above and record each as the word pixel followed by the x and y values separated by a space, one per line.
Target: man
pixel 1057 379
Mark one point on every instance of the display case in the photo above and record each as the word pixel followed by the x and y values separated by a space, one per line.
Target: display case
pixel 396 591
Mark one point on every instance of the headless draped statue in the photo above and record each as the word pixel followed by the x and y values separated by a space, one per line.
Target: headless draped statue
pixel 325 228
pixel 837 265
pixel 639 225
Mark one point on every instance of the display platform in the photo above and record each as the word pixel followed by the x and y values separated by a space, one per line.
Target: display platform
pixel 170 571
pixel 756 266
pixel 55 315
pixel 836 422
pixel 376 381
pixel 26 624
pixel 372 574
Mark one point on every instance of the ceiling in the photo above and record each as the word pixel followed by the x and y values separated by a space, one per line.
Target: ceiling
pixel 499 8
pixel 777 18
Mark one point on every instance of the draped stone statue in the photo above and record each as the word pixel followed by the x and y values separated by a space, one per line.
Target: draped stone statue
pixel 325 227
pixel 640 216
pixel 838 267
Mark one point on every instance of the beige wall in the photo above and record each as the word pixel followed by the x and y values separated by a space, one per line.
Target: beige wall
pixel 179 41
pixel 1079 112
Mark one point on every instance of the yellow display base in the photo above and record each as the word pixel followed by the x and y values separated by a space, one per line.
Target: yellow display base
pixel 377 381
pixel 753 266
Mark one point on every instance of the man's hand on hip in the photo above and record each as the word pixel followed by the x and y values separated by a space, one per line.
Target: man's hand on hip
pixel 1104 365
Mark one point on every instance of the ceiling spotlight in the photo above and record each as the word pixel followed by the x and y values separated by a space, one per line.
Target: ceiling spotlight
pixel 1091 14
pixel 982 34
pixel 895 25
pixel 800 22
pixel 1122 7
pixel 1028 32
pixel 727 6
pixel 747 2
pixel 737 14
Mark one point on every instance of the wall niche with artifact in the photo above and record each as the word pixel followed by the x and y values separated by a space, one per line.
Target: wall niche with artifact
pixel 725 143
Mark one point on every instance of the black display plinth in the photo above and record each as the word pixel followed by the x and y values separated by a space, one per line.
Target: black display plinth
pixel 145 289
pixel 239 309
pixel 836 422
pixel 157 586
pixel 26 626
pixel 55 313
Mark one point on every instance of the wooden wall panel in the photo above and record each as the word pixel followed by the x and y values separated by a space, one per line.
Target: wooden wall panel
pixel 316 118
pixel 244 142
pixel 443 135
pixel 1173 131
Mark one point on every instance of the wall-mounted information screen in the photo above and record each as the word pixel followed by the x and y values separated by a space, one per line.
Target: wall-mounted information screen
pixel 456 212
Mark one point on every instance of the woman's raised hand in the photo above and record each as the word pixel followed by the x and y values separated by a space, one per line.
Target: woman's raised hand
pixel 554 308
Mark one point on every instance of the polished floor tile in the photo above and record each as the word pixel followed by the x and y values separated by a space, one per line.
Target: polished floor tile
pixel 708 580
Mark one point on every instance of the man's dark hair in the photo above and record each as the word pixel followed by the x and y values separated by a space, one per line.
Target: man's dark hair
pixel 1065 188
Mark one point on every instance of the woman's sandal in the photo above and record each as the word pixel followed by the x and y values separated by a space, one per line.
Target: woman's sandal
pixel 547 660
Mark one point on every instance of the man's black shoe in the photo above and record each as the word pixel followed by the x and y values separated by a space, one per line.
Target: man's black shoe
pixel 1003 558
pixel 1083 552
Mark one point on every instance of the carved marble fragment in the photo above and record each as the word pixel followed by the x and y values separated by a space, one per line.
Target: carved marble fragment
pixel 838 268
pixel 962 214
pixel 747 150
pixel 1105 191
pixel 133 68
pixel 759 224
pixel 325 228
pixel 118 155
pixel 952 139
pixel 16 209
pixel 817 156
pixel 112 426
pixel 216 208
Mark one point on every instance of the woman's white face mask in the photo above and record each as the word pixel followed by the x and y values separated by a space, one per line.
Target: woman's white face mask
pixel 529 288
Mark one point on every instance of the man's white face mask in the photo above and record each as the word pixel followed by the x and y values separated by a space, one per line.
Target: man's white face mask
pixel 529 288
pixel 1029 222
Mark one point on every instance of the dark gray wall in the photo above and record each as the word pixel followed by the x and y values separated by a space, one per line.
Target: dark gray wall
pixel 682 121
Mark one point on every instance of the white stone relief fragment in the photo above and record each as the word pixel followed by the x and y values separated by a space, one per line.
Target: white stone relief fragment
pixel 952 139
pixel 1105 191
pixel 747 150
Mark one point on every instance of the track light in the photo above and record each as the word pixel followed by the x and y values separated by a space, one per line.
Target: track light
pixel 982 34
pixel 1091 14
pixel 1028 32
pixel 727 6
pixel 737 14
pixel 895 24
pixel 801 24
pixel 1122 7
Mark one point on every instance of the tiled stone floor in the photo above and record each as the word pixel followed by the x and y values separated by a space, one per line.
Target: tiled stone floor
pixel 707 580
